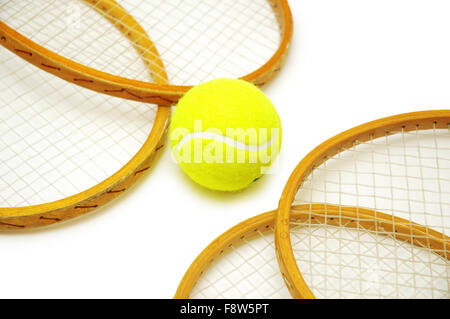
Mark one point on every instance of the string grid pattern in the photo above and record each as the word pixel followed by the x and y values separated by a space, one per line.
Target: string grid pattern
pixel 197 40
pixel 58 139
pixel 404 174
pixel 247 270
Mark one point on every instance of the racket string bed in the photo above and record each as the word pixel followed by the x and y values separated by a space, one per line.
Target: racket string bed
pixel 409 180
pixel 248 270
pixel 337 262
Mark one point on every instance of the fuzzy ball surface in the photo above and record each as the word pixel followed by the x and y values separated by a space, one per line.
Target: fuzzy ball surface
pixel 225 134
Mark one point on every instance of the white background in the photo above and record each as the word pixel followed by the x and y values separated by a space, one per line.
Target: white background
pixel 351 61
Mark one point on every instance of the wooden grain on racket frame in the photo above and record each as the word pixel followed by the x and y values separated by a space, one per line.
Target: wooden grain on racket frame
pixel 436 242
pixel 409 232
pixel 157 93
pixel 13 218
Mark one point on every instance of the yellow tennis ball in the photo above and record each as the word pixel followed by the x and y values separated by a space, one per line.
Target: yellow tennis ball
pixel 225 133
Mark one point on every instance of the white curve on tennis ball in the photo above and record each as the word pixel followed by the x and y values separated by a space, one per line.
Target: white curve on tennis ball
pixel 227 140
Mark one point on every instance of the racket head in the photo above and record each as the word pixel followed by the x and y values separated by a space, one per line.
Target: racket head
pixel 365 211
pixel 58 135
pixel 240 263
pixel 24 38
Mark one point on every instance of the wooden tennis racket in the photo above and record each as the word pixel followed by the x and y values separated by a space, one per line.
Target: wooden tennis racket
pixel 197 40
pixel 67 150
pixel 375 212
